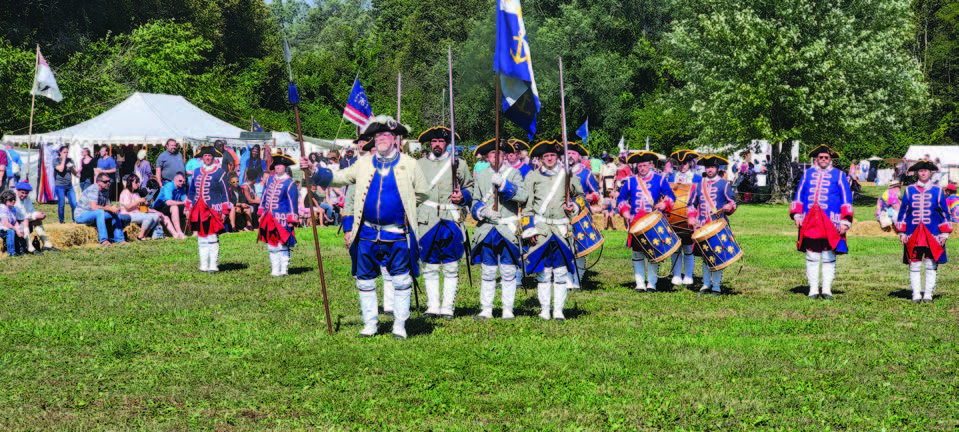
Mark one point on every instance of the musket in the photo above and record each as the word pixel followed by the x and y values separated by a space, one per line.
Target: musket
pixel 562 108
pixel 295 100
pixel 454 164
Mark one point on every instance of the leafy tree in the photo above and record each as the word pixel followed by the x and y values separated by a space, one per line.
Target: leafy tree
pixel 817 72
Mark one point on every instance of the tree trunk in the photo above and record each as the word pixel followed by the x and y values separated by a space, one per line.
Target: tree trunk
pixel 780 173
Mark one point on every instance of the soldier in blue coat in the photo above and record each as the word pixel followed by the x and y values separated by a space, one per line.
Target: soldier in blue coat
pixel 823 213
pixel 578 160
pixel 924 225
pixel 684 262
pixel 279 208
pixel 640 195
pixel 713 197
pixel 209 205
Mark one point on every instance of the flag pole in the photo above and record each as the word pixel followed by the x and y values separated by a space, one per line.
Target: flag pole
pixel 499 157
pixel 399 94
pixel 562 106
pixel 33 103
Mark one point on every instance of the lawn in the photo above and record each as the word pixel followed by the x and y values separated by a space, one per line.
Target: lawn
pixel 133 337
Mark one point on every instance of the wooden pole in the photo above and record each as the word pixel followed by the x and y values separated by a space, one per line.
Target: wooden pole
pixel 499 157
pixel 562 107
pixel 316 238
pixel 33 103
pixel 399 94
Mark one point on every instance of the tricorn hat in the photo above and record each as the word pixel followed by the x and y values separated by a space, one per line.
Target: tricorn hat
pixel 519 145
pixel 208 150
pixel 822 148
pixel 923 164
pixel 543 147
pixel 281 159
pixel 578 148
pixel 385 123
pixel 438 132
pixel 642 156
pixel 684 156
pixel 712 161
pixel 488 146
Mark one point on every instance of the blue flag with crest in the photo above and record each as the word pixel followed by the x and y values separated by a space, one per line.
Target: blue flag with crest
pixel 513 63
pixel 583 131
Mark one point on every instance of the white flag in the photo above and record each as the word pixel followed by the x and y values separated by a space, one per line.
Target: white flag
pixel 622 144
pixel 45 84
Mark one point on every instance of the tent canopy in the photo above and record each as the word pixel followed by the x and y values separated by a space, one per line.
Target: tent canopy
pixel 947 155
pixel 143 118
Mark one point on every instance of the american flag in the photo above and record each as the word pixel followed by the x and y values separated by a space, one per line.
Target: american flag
pixel 357 109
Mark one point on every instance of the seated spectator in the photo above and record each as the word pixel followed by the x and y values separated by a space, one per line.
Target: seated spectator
pixel 32 219
pixel 95 210
pixel 240 211
pixel 172 203
pixel 310 196
pixel 134 204
pixel 9 227
pixel 250 194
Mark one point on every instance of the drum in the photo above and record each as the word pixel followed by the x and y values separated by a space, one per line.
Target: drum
pixel 677 216
pixel 885 222
pixel 717 244
pixel 585 236
pixel 654 236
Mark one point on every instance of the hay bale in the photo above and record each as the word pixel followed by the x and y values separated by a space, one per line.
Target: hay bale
pixel 869 228
pixel 70 234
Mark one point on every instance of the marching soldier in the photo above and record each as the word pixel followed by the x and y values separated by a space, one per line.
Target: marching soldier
pixel 495 239
pixel 924 224
pixel 552 252
pixel 823 213
pixel 209 204
pixel 684 262
pixel 713 197
pixel 279 208
pixel 388 188
pixel 639 195
pixel 441 219
pixel 514 158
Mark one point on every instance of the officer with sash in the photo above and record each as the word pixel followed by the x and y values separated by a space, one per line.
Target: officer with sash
pixel 683 263
pixel 823 213
pixel 640 195
pixel 209 204
pixel 580 169
pixel 500 191
pixel 279 208
pixel 924 224
pixel 712 198
pixel 441 219
pixel 388 187
pixel 552 252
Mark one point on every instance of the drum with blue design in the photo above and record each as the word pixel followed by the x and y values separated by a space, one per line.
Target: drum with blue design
pixel 655 237
pixel 717 244
pixel 585 236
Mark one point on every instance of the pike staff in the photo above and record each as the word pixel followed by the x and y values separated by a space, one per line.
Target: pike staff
pixel 454 162
pixel 294 97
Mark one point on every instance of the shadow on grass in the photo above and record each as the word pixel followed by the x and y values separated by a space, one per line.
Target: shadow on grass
pixel 299 270
pixel 232 266
pixel 903 294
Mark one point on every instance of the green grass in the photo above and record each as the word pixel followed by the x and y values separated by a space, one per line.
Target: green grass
pixel 132 337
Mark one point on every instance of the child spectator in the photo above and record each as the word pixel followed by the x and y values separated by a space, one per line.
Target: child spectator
pixel 10 229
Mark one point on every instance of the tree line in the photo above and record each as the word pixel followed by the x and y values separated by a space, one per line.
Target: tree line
pixel 869 77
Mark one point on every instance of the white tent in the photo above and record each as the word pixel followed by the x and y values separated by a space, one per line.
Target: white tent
pixel 142 118
pixel 948 155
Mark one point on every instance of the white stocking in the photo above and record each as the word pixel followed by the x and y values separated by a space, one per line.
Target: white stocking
pixel 401 304
pixel 431 279
pixel 508 275
pixel 828 271
pixel 451 279
pixel 560 275
pixel 487 290
pixel 931 268
pixel 639 269
pixel 543 292
pixel 812 271
pixel 915 279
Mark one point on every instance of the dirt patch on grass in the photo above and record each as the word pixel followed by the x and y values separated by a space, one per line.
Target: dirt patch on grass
pixel 869 229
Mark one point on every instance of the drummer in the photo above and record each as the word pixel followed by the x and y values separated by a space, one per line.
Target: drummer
pixel 591 188
pixel 823 213
pixel 640 195
pixel 887 206
pixel 683 263
pixel 713 197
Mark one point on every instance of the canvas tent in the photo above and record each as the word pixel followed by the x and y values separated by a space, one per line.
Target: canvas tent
pixel 947 155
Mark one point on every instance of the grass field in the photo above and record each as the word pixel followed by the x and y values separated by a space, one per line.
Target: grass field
pixel 133 337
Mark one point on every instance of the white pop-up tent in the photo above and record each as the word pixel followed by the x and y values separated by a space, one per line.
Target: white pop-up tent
pixel 143 118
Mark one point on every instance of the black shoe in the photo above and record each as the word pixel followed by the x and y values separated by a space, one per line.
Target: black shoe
pixel 430 315
pixel 916 301
pixel 814 297
pixel 388 313
pixel 927 300
pixel 639 290
pixel 715 293
pixel 51 249
pixel 447 317
pixel 827 296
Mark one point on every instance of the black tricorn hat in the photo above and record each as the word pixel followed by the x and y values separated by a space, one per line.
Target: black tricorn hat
pixel 544 147
pixel 712 160
pixel 208 150
pixel 684 156
pixel 385 123
pixel 577 147
pixel 822 148
pixel 438 132
pixel 519 145
pixel 281 159
pixel 488 146
pixel 642 156
pixel 923 164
